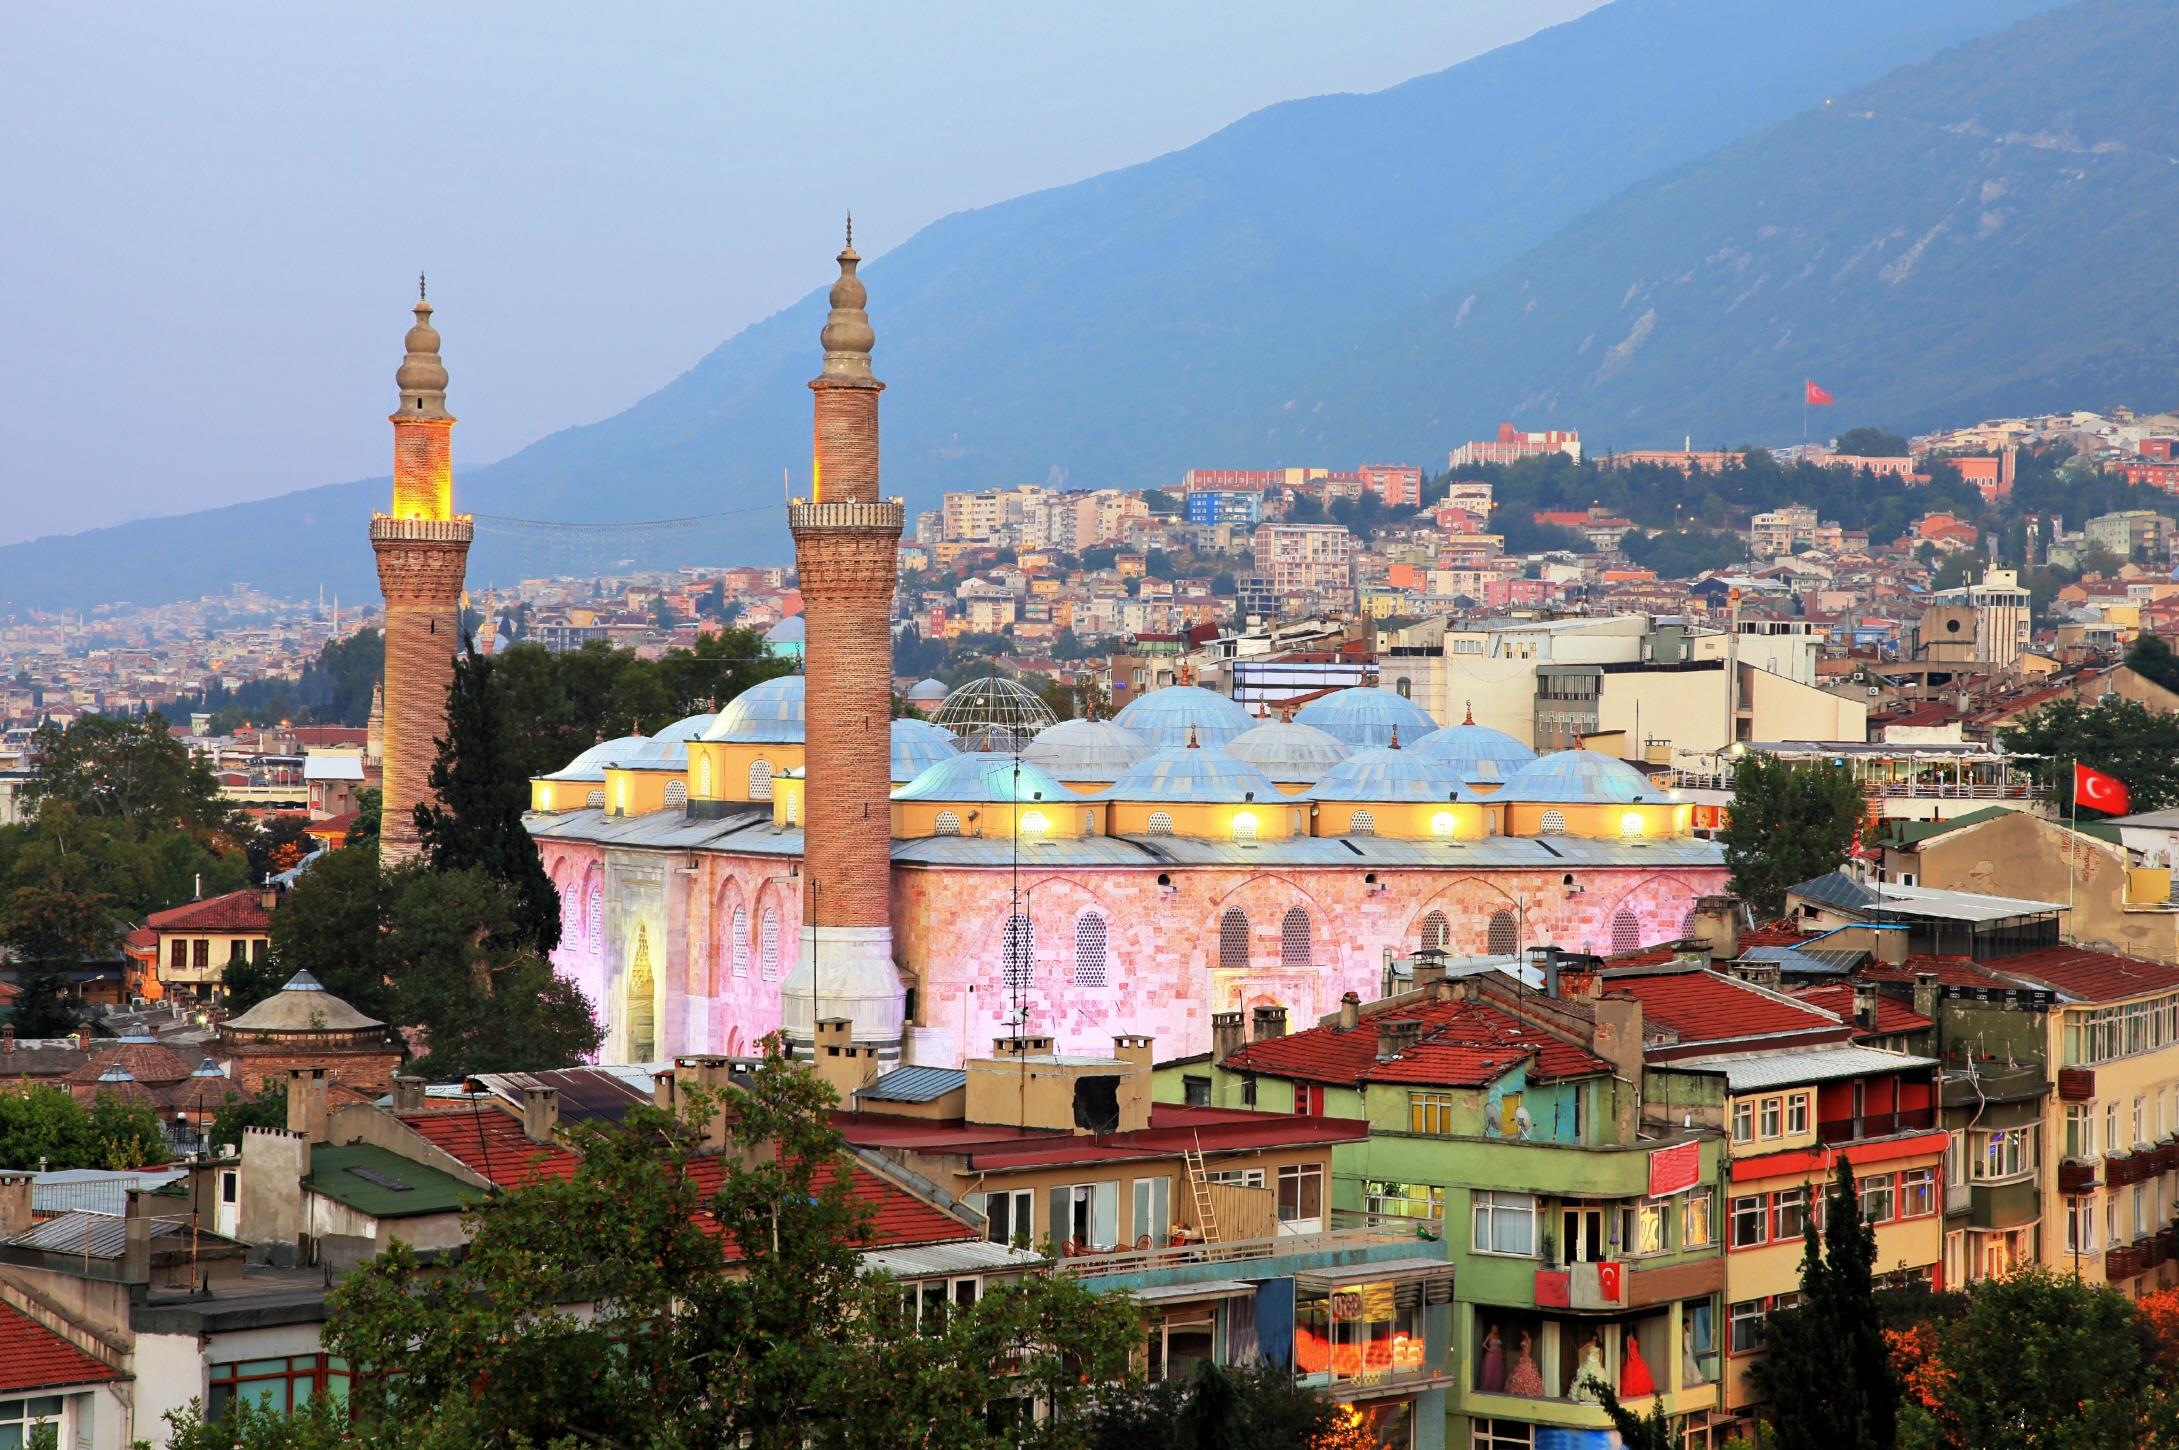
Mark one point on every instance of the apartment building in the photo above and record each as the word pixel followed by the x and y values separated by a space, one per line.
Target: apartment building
pixel 1314 559
pixel 1511 445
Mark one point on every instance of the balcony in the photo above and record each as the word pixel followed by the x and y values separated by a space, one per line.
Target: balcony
pixel 1832 1131
pixel 2122 1261
pixel 2076 1084
pixel 2077 1175
pixel 1335 1242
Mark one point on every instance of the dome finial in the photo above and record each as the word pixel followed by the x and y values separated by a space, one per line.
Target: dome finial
pixel 1191 736
pixel 421 376
pixel 1395 745
pixel 1469 718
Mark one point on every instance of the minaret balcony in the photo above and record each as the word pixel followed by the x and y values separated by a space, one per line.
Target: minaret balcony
pixel 889 515
pixel 460 529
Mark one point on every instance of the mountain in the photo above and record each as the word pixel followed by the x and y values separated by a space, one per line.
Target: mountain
pixel 1125 327
pixel 1981 234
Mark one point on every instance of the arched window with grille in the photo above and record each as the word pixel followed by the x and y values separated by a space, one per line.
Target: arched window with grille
pixel 1553 823
pixel 677 794
pixel 1161 823
pixel 1233 938
pixel 1504 936
pixel 794 806
pixel 1434 932
pixel 1362 823
pixel 703 775
pixel 1089 823
pixel 1089 949
pixel 1017 954
pixel 594 920
pixel 1244 827
pixel 768 944
pixel 1295 948
pixel 947 824
pixel 740 945
pixel 1630 826
pixel 595 800
pixel 1688 925
pixel 760 780
pixel 1626 931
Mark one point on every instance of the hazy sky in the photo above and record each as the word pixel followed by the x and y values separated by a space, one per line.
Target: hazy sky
pixel 214 214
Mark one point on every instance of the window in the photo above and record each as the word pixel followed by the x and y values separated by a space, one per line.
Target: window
pixel 1195 1092
pixel 760 780
pixel 281 1385
pixel 201 953
pixel 1424 1202
pixel 1552 824
pixel 1161 823
pixel 677 794
pixel 1429 1112
pixel 2081 1225
pixel 1797 1114
pixel 703 775
pixel 948 823
pixel 768 944
pixel 2002 1154
pixel 1626 932
pixel 1650 1231
pixel 1362 823
pixel 794 807
pixel 20 1419
pixel 1773 1117
pixel 1744 1325
pixel 594 918
pixel 1017 953
pixel 1917 1192
pixel 1089 949
pixel 1007 1215
pixel 1436 934
pixel 1301 1193
pixel 1750 1221
pixel 1503 938
pixel 1789 1214
pixel 1309 1099
pixel 740 931
pixel 1153 1222
pixel 2141 1213
pixel 1233 939
pixel 1502 1435
pixel 1294 944
pixel 1505 1223
pixel 230 1186
pixel 1876 1198
pixel 178 956
pixel 1695 1219
pixel 1744 1121
pixel 1087 1214
pixel 1180 1339
pixel 595 800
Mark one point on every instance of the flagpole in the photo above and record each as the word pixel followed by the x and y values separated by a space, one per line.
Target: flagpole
pixel 2074 801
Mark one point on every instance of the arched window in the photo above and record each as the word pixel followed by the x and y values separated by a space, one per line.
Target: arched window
pixel 1161 823
pixel 1626 931
pixel 1089 949
pixel 677 794
pixel 1504 936
pixel 1244 827
pixel 1089 823
pixel 1688 925
pixel 794 803
pixel 1017 954
pixel 1233 938
pixel 594 922
pixel 947 824
pixel 1294 945
pixel 595 800
pixel 703 775
pixel 1630 826
pixel 1404 688
pixel 760 780
pixel 1434 931
pixel 768 944
pixel 740 948
pixel 640 1002
pixel 1553 823
pixel 1362 823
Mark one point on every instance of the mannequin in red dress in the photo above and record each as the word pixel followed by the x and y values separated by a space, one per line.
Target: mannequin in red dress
pixel 1635 1380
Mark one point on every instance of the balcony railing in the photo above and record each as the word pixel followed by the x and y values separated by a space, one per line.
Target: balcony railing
pixel 1947 790
pixel 2076 1084
pixel 2076 1175
pixel 1876 1125
pixel 1138 1261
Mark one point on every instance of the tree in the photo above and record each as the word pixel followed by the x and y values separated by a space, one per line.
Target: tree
pixel 1261 1407
pixel 278 844
pixel 473 819
pixel 45 1127
pixel 269 1109
pixel 1826 1371
pixel 1160 502
pixel 1652 1431
pixel 1871 443
pixel 332 925
pixel 126 769
pixel 1789 823
pixel 363 834
pixel 2114 735
pixel 52 931
pixel 2151 657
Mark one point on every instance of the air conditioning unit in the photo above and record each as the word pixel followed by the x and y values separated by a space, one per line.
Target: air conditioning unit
pixel 1876 689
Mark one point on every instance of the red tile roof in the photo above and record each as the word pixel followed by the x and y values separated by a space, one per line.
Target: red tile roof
pixel 1950 971
pixel 489 1140
pixel 1779 933
pixel 1463 1044
pixel 33 1357
pixel 2090 976
pixel 237 911
pixel 147 1062
pixel 1892 1015
pixel 1703 1006
pixel 1173 1129
pixel 899 1219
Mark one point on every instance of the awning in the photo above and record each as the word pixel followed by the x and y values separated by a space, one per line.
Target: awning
pixel 1203 1289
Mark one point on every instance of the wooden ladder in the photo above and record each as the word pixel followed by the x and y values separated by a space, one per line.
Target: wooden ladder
pixel 1199 1185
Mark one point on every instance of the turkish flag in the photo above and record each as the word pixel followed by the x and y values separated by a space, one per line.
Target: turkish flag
pixel 2100 792
pixel 1817 397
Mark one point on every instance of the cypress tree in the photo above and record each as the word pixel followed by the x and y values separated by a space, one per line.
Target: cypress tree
pixel 475 818
pixel 1826 1371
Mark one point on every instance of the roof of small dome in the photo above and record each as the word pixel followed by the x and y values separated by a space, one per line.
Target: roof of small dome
pixel 1579 777
pixel 1289 751
pixel 688 727
pixel 1181 775
pixel 1391 777
pixel 791 630
pixel 983 776
pixel 591 764
pixel 1476 751
pixel 303 1005
pixel 1087 750
pixel 1164 717
pixel 766 714
pixel 917 746
pixel 927 689
pixel 1367 715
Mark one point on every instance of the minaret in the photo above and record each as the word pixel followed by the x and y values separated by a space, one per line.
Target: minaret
pixel 423 549
pixel 846 548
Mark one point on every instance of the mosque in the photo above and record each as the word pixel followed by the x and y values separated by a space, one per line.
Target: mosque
pixel 800 856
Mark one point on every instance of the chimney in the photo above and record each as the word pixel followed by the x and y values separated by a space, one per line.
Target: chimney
pixel 1134 1050
pixel 307 1103
pixel 7 1038
pixel 1350 1012
pixel 540 1113
pixel 1717 926
pixel 1395 1035
pixel 1865 1004
pixel 408 1094
pixel 269 898
pixel 1925 994
pixel 1227 1035
pixel 1270 1023
pixel 1891 946
pixel 15 1215
pixel 711 1075
pixel 1428 967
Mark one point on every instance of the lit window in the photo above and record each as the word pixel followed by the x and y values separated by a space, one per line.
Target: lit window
pixel 1695 1219
pixel 1553 823
pixel 1161 824
pixel 1429 1112
pixel 947 824
pixel 1630 826
pixel 1035 823
pixel 1244 826
pixel 1362 823
pixel 1441 825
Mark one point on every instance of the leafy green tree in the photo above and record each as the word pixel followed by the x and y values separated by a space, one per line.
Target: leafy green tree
pixel 332 925
pixel 1871 443
pixel 1826 1371
pixel 363 835
pixel 126 768
pixel 473 820
pixel 1652 1431
pixel 51 933
pixel 2113 735
pixel 1789 823
pixel 2151 657
pixel 268 1109
pixel 1261 1407
pixel 46 1127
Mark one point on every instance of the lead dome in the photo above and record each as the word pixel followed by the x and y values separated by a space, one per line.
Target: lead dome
pixel 1165 717
pixel 1580 777
pixel 766 714
pixel 1288 751
pixel 1094 750
pixel 1477 752
pixel 1367 716
pixel 1190 775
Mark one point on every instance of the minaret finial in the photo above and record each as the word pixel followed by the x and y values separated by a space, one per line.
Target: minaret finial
pixel 851 231
pixel 421 294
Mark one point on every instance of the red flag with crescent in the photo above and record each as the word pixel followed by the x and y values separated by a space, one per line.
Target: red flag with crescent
pixel 2100 792
pixel 1817 397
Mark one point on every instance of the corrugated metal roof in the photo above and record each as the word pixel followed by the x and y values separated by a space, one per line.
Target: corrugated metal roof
pixel 94 1190
pixel 973 1256
pixel 1558 853
pixel 1836 888
pixel 587 1094
pixel 748 832
pixel 1201 1289
pixel 914 1085
pixel 1753 1072
pixel 99 1235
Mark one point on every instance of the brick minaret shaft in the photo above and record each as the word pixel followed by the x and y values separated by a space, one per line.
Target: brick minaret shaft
pixel 847 540
pixel 423 550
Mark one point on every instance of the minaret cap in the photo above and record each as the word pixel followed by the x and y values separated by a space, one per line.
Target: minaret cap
pixel 847 335
pixel 422 377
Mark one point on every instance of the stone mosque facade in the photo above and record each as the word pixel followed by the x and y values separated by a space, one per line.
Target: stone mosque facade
pixel 798 856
